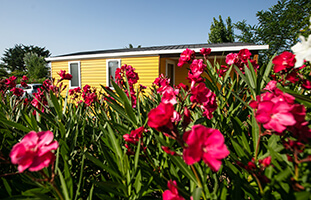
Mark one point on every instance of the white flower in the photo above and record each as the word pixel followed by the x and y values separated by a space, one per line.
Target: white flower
pixel 302 50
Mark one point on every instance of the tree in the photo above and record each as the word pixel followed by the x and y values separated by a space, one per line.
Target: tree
pixel 35 65
pixel 131 46
pixel 279 26
pixel 220 33
pixel 13 58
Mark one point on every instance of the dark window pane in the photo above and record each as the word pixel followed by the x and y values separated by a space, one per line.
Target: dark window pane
pixel 112 66
pixel 74 71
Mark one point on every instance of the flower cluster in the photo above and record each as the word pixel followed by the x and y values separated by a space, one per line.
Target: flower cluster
pixel 64 76
pixel 201 143
pixel 200 94
pixel 278 112
pixel 33 152
pixel 10 82
pixel 127 72
pixel 241 59
pixel 285 65
pixel 89 95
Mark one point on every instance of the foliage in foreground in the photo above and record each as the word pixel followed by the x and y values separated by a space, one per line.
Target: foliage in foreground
pixel 225 137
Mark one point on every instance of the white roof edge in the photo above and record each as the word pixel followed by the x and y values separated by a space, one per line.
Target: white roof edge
pixel 154 52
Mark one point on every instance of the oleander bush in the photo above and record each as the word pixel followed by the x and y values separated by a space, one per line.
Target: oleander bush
pixel 237 131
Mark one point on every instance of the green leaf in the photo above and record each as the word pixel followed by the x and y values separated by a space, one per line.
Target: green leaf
pixel 196 194
pixel 15 125
pixel 184 168
pixel 101 165
pixel 302 195
pixel 55 104
pixel 63 185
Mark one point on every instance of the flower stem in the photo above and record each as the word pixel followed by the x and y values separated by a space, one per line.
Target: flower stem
pixel 196 176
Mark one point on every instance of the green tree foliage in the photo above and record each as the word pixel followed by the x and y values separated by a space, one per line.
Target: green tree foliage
pixel 279 26
pixel 13 58
pixel 3 72
pixel 131 46
pixel 35 65
pixel 221 33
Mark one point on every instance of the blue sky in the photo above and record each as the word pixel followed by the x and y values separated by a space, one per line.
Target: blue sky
pixel 69 26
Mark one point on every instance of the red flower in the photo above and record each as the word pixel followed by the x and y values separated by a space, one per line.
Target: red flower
pixel 24 84
pixel 222 70
pixel 10 82
pixel 204 143
pixel 160 117
pixel 172 192
pixel 64 76
pixel 284 61
pixel 244 55
pixel 169 94
pixel 168 150
pixel 199 93
pixel 25 78
pixel 185 57
pixel 306 84
pixel 161 81
pixel 205 51
pixel 134 136
pixel 17 92
pixel 265 162
pixel 232 58
pixel 271 86
pixel 275 116
pixel 34 151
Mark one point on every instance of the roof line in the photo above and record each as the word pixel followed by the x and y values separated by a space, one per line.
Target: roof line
pixel 154 52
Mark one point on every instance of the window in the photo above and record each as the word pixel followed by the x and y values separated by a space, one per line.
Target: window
pixel 170 71
pixel 112 66
pixel 74 70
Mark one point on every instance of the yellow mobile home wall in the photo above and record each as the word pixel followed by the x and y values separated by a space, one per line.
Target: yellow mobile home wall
pixel 93 71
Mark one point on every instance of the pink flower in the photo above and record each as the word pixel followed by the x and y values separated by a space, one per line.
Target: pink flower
pixel 284 61
pixel 271 86
pixel 161 81
pixel 205 51
pixel 169 94
pixel 10 82
pixel 172 192
pixel 17 92
pixel 24 84
pixel 64 76
pixel 134 136
pixel 232 58
pixel 196 69
pixel 199 93
pixel 168 150
pixel 185 57
pixel 210 105
pixel 275 116
pixel 265 162
pixel 204 143
pixel 292 76
pixel 161 116
pixel 222 70
pixel 25 78
pixel 89 98
pixel 244 55
pixel 34 151
pixel 306 84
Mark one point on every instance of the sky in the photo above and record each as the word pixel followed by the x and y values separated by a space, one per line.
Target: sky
pixel 68 26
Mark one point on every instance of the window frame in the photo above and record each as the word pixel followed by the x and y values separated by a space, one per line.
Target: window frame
pixel 107 70
pixel 171 62
pixel 79 73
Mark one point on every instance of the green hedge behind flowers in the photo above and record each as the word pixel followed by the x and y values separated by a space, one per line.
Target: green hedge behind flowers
pixel 243 133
